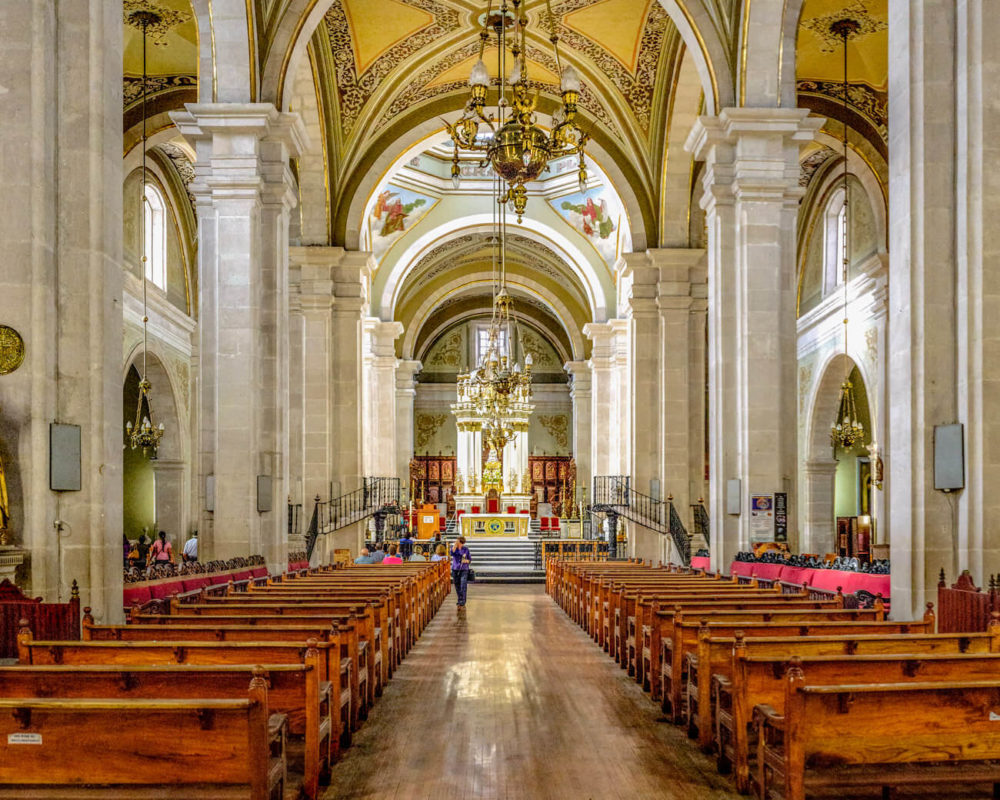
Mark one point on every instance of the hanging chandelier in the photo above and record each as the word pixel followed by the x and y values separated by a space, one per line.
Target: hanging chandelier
pixel 143 433
pixel 847 431
pixel 517 148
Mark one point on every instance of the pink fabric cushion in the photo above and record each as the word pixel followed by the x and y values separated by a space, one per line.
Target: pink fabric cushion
pixel 137 595
pixel 259 572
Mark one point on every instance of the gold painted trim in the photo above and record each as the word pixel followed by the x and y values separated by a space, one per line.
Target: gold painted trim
pixel 287 57
pixel 215 69
pixel 671 103
pixel 320 112
pixel 704 51
pixel 149 135
pixel 743 53
pixel 252 45
pixel 781 45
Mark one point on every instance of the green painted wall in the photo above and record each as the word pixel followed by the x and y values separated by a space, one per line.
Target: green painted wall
pixel 846 499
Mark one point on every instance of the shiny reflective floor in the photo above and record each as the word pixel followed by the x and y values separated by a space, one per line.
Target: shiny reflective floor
pixel 510 699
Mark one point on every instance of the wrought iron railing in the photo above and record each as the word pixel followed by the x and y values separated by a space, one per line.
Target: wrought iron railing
pixel 379 497
pixel 615 497
pixel 700 515
pixel 294 519
pixel 679 534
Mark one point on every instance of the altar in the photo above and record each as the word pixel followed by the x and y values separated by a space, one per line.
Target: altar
pixel 512 525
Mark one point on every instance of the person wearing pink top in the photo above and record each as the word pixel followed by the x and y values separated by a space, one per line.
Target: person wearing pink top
pixel 393 557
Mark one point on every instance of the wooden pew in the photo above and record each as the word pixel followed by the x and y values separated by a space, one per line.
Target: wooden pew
pixel 725 711
pixel 226 748
pixel 760 680
pixel 291 690
pixel 687 633
pixel 879 734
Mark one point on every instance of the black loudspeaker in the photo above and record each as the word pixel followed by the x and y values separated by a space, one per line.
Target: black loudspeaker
pixel 949 457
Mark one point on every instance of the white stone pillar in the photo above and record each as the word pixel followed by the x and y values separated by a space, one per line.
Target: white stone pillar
pixel 751 196
pixel 603 409
pixel 61 278
pixel 819 535
pixel 296 389
pixel 351 276
pixel 580 395
pixel 379 398
pixel 244 191
pixel 406 393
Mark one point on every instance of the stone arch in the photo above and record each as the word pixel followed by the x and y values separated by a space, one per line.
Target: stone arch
pixel 676 195
pixel 819 468
pixel 172 466
pixel 766 52
pixel 595 286
pixel 226 42
pixel 694 23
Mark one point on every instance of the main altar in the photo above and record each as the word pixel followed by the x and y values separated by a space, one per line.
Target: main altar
pixel 490 525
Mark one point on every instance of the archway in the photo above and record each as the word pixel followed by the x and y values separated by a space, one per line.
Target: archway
pixel 154 484
pixel 837 481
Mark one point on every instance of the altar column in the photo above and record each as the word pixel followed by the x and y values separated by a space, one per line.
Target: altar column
pixel 750 196
pixel 406 393
pixel 244 191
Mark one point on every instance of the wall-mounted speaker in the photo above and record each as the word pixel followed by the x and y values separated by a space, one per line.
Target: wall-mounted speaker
pixel 65 472
pixel 210 493
pixel 265 490
pixel 949 457
pixel 733 491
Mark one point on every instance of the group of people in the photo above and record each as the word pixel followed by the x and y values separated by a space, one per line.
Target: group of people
pixel 146 552
pixel 407 550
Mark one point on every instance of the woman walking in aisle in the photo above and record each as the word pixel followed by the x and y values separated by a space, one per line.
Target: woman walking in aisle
pixel 460 566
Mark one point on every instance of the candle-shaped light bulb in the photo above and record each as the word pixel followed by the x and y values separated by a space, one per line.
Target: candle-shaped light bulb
pixel 570 81
pixel 479 76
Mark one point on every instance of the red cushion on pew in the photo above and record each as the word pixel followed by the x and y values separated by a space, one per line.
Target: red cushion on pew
pixel 137 595
pixel 190 584
pixel 158 591
pixel 259 572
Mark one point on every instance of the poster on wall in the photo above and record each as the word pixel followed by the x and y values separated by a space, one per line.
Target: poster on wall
pixel 761 518
pixel 780 516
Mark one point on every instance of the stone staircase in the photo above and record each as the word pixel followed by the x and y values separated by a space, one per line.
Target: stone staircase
pixel 506 560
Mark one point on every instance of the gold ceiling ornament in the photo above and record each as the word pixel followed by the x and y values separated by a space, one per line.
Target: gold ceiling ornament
pixel 143 433
pixel 517 148
pixel 11 350
pixel 847 431
pixel 824 27
pixel 152 19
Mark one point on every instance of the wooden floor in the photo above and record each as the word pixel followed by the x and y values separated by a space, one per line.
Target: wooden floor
pixel 512 700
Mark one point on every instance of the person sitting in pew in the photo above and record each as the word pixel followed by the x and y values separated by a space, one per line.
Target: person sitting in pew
pixel 379 553
pixel 440 553
pixel 365 557
pixel 418 554
pixel 393 557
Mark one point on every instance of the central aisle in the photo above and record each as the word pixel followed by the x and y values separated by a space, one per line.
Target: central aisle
pixel 512 700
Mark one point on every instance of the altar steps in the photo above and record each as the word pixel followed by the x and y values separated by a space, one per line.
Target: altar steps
pixel 506 560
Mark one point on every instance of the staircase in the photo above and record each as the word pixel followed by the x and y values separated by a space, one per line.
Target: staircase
pixel 506 560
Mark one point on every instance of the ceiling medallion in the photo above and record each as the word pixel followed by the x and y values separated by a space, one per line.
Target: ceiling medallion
pixel 151 18
pixel 517 148
pixel 11 350
pixel 857 13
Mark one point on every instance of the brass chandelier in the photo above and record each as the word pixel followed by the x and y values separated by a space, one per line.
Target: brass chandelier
pixel 847 431
pixel 517 148
pixel 143 433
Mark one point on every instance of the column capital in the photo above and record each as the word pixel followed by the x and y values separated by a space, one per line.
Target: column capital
pixel 406 375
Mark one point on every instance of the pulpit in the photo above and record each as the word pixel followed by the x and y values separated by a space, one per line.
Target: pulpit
pixel 428 521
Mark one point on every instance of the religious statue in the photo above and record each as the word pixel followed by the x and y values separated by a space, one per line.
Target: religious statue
pixel 459 482
pixel 492 473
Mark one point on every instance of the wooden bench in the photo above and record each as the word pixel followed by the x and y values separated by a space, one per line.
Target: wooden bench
pixel 761 681
pixel 879 734
pixel 222 748
pixel 674 655
pixel 726 711
pixel 292 690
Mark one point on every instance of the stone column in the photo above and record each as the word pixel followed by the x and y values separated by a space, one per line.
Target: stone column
pixel 580 394
pixel 315 298
pixel 819 535
pixel 61 279
pixel 379 396
pixel 751 196
pixel 244 191
pixel 603 409
pixel 296 389
pixel 351 280
pixel 406 393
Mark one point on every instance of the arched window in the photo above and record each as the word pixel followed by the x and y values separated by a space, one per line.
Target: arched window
pixel 155 216
pixel 834 241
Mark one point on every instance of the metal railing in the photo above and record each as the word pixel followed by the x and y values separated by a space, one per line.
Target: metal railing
pixel 378 497
pixel 700 515
pixel 294 519
pixel 615 497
